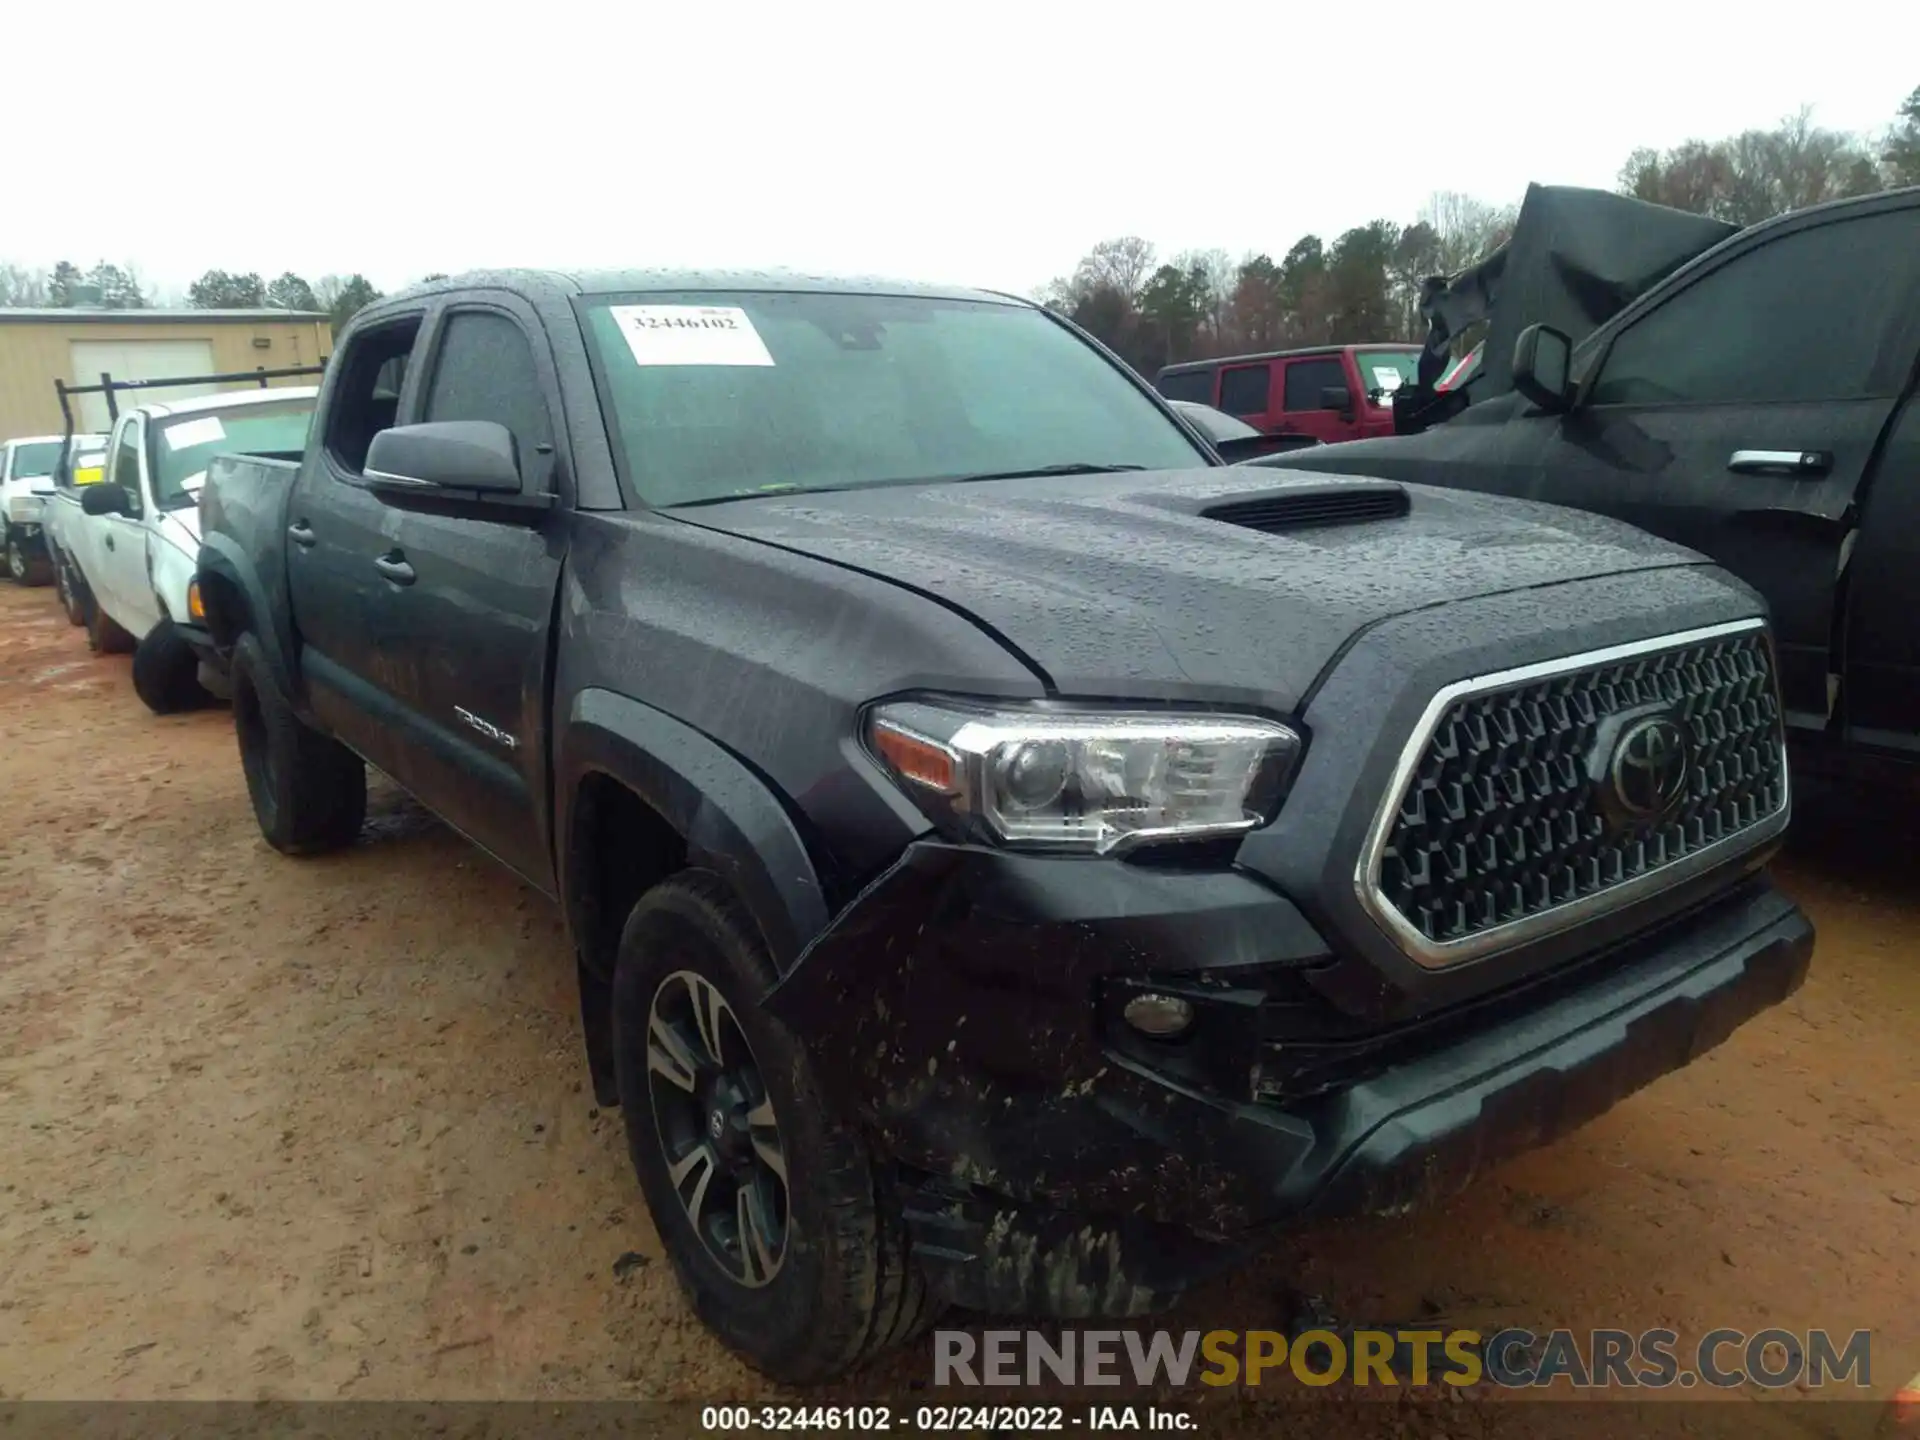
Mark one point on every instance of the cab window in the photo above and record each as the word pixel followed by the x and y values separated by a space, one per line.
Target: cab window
pixel 126 464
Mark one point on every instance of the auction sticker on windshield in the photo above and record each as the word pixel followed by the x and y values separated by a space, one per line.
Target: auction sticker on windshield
pixel 207 430
pixel 690 335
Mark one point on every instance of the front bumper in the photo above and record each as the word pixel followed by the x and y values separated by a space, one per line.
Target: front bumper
pixel 213 669
pixel 967 1008
pixel 26 510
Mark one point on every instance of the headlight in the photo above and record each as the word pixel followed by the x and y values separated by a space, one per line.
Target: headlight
pixel 1086 781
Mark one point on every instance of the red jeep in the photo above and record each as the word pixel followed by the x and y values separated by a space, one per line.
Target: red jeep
pixel 1331 392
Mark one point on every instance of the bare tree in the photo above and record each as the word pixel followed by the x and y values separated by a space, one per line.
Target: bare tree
pixel 1123 265
pixel 21 288
pixel 1464 228
pixel 1758 174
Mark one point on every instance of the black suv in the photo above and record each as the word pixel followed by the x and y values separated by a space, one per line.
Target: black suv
pixel 1013 859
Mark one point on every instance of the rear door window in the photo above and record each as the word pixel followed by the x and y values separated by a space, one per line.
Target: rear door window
pixel 1246 389
pixel 1307 378
pixel 366 398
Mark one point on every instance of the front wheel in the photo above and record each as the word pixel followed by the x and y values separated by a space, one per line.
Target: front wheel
pixel 23 566
pixel 780 1227
pixel 166 672
pixel 309 791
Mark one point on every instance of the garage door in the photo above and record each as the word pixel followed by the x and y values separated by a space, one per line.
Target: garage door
pixel 138 360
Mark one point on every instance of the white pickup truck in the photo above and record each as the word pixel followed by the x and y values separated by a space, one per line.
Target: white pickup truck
pixel 84 463
pixel 135 534
pixel 27 468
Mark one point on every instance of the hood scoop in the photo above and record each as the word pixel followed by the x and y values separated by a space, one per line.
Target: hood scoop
pixel 1304 507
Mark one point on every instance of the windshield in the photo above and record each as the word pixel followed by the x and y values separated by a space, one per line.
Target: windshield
pixel 184 445
pixel 1384 371
pixel 32 462
pixel 712 396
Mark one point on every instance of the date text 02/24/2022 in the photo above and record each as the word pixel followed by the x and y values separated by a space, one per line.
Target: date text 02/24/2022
pixel 945 1419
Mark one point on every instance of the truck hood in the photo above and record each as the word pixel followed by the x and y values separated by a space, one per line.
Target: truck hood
pixel 1118 585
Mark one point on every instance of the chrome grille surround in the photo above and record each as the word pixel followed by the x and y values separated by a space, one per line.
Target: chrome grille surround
pixel 1655 671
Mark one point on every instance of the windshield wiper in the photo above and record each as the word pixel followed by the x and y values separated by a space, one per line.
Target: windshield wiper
pixel 1070 467
pixel 787 490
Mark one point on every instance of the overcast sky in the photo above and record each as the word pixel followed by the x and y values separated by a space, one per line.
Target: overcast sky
pixel 986 143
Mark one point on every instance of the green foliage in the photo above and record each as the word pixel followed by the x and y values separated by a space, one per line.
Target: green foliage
pixel 217 290
pixel 290 292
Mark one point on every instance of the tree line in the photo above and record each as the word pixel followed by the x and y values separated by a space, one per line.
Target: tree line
pixel 118 287
pixel 1365 284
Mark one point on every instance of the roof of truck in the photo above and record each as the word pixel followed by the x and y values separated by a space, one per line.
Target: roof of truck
pixel 616 282
pixel 1305 350
pixel 227 400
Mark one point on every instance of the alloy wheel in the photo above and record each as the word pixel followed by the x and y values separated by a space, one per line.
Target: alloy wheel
pixel 717 1129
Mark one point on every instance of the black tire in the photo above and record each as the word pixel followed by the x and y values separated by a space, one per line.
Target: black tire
pixel 23 566
pixel 309 791
pixel 72 599
pixel 166 672
pixel 843 1287
pixel 104 637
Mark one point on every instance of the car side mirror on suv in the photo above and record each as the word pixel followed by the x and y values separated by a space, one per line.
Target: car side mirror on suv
pixel 1336 397
pixel 1543 368
pixel 105 498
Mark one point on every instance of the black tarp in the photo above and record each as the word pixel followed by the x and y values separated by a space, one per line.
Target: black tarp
pixel 1576 258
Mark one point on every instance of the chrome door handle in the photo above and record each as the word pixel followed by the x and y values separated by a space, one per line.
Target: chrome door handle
pixel 395 568
pixel 1780 462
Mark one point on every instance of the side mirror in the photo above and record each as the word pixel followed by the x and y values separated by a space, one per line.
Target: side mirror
pixel 105 498
pixel 1543 367
pixel 477 456
pixel 1336 397
pixel 1241 448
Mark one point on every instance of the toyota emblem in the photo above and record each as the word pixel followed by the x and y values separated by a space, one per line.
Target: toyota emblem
pixel 1650 766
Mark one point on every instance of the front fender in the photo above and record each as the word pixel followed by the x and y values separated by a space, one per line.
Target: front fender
pixel 732 822
pixel 221 557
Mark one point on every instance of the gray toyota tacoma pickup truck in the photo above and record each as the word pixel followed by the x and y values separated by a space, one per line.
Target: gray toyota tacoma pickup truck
pixel 1013 858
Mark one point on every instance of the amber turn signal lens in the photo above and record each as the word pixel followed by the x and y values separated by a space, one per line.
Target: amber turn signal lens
pixel 195 610
pixel 916 758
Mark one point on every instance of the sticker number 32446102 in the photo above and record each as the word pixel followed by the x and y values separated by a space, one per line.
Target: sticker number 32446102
pixel 690 335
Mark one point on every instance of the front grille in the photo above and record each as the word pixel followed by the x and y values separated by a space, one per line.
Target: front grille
pixel 1513 812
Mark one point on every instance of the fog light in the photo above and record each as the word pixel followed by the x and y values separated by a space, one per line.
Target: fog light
pixel 1158 1015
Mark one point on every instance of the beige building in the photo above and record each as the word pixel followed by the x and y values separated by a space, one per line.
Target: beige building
pixel 38 346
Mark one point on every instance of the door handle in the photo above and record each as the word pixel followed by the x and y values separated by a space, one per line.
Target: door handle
pixel 1780 462
pixel 395 568
pixel 301 533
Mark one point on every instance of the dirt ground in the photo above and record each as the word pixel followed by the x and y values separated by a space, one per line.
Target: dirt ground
pixel 318 1130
